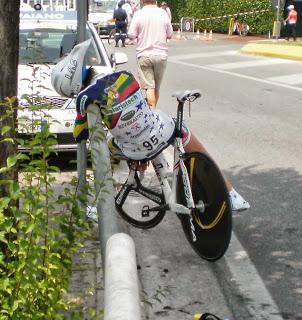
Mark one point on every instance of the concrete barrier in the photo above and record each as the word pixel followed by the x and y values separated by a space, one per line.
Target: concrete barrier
pixel 121 280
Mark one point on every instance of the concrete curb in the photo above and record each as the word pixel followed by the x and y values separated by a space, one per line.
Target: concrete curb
pixel 273 50
pixel 121 279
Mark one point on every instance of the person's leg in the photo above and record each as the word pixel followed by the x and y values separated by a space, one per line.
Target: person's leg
pixel 160 64
pixel 124 33
pixel 117 35
pixel 192 144
pixel 151 97
pixel 294 32
pixel 146 79
pixel 286 31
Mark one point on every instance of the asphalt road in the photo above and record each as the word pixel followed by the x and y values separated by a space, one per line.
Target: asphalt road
pixel 249 118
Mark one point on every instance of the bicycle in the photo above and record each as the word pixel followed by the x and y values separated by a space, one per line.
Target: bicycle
pixel 197 195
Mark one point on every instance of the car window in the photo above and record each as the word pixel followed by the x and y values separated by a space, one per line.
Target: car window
pixel 49 45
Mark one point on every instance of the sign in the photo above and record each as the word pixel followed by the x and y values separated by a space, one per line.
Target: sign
pixel 49 15
pixel 187 24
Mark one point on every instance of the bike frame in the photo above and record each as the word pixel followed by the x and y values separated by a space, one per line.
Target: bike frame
pixel 161 168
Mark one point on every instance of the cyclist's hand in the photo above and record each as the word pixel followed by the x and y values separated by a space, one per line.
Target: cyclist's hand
pixel 139 165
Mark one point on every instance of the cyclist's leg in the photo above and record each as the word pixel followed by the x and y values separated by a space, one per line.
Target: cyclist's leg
pixel 192 144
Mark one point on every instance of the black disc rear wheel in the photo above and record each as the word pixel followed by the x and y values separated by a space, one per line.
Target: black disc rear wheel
pixel 208 230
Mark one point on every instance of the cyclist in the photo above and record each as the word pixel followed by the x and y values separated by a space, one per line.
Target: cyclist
pixel 121 22
pixel 137 132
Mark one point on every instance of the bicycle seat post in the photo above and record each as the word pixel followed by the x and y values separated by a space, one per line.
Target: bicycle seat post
pixel 179 119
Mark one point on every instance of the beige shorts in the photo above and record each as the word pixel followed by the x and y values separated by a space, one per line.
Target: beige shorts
pixel 151 70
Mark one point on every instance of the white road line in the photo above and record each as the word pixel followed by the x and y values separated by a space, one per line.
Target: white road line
pixel 204 55
pixel 248 64
pixel 288 79
pixel 235 74
pixel 259 301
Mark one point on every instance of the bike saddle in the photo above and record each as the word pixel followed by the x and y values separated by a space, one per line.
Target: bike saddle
pixel 188 95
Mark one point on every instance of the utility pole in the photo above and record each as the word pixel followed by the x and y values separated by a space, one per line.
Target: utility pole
pixel 278 23
pixel 81 147
pixel 82 15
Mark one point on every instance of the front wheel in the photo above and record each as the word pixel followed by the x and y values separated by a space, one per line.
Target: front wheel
pixel 142 206
pixel 208 230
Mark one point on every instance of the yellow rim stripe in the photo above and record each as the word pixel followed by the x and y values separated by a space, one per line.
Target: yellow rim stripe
pixel 192 164
pixel 221 211
pixel 215 221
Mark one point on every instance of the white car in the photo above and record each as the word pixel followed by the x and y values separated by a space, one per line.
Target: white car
pixel 45 37
pixel 101 15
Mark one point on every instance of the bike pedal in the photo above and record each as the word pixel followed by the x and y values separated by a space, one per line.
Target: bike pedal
pixel 145 211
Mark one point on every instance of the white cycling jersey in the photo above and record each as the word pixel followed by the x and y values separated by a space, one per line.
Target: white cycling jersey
pixel 140 133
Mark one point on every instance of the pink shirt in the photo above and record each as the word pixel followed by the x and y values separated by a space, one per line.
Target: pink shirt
pixel 152 27
pixel 292 17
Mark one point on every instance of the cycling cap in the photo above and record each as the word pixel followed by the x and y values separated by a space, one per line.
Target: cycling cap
pixel 68 75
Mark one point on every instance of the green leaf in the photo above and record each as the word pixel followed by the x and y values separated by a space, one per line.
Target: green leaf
pixel 10 140
pixel 11 160
pixel 4 169
pixel 5 129
pixel 30 228
pixel 4 202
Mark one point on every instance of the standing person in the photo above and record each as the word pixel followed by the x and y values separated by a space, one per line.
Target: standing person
pixel 121 21
pixel 291 22
pixel 128 8
pixel 151 27
pixel 165 7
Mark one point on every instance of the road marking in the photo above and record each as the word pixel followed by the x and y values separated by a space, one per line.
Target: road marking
pixel 174 60
pixel 204 55
pixel 248 64
pixel 289 79
pixel 260 304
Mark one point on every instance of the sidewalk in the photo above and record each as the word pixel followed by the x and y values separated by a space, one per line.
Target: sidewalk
pixel 273 49
pixel 252 44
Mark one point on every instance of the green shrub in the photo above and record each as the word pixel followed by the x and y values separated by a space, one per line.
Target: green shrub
pixel 260 23
pixel 39 231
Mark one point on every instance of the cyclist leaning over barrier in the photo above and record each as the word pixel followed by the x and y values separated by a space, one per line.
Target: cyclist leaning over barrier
pixel 137 132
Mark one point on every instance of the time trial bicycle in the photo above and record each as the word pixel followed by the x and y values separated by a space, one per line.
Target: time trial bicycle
pixel 197 194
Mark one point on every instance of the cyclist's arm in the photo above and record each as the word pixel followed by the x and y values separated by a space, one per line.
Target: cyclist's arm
pixel 85 97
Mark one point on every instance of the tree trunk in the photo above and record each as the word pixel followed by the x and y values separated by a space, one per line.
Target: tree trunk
pixel 9 47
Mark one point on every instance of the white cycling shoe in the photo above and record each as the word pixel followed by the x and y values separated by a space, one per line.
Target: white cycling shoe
pixel 92 213
pixel 237 201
